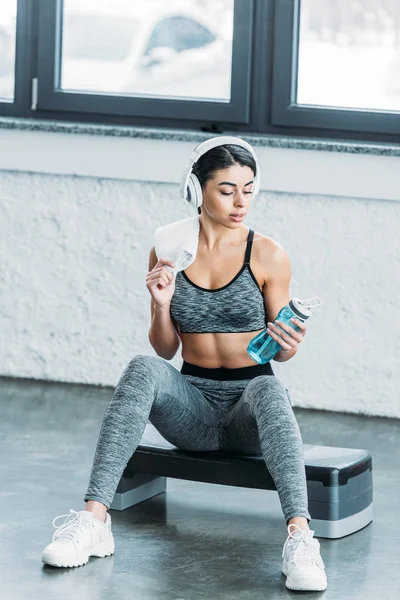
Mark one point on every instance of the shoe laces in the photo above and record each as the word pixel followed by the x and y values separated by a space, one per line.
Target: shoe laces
pixel 307 547
pixel 69 526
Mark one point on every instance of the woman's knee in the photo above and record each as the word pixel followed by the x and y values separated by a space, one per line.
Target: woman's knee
pixel 141 378
pixel 146 361
pixel 145 365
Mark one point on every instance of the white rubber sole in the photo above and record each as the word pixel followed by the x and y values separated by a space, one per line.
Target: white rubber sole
pixel 106 548
pixel 305 585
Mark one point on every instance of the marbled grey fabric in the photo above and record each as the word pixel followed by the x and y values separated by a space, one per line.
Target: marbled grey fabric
pixel 193 413
pixel 236 307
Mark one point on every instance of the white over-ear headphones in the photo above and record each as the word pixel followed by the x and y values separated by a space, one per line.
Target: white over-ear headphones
pixel 190 188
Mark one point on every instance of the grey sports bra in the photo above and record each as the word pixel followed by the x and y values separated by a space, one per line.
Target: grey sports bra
pixel 236 307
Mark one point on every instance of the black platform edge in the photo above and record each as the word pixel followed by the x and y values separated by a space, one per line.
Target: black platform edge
pixel 238 470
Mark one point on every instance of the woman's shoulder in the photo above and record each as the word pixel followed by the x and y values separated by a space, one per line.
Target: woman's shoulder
pixel 265 243
pixel 269 252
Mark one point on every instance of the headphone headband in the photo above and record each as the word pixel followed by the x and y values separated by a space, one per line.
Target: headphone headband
pixel 190 183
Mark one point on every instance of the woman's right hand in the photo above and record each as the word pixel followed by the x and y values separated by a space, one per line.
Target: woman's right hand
pixel 161 282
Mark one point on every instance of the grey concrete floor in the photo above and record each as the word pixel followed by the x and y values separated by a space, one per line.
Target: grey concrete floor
pixel 196 542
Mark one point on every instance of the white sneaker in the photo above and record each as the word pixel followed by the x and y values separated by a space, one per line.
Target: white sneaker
pixel 80 536
pixel 302 562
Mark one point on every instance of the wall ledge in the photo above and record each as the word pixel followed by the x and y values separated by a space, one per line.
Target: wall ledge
pixel 328 168
pixel 183 135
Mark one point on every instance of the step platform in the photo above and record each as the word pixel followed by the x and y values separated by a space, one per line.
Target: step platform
pixel 339 480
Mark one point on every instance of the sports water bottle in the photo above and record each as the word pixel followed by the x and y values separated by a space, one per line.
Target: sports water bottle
pixel 262 348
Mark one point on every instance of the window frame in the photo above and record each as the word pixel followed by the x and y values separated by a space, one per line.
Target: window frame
pixel 52 98
pixel 16 107
pixel 284 109
pixel 268 109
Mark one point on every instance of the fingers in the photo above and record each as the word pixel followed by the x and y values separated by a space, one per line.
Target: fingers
pixel 272 329
pixel 161 266
pixel 292 332
pixel 300 324
pixel 160 273
pixel 165 261
pixel 165 278
pixel 161 276
pixel 290 339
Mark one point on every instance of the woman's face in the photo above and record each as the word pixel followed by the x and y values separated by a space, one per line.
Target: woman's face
pixel 229 191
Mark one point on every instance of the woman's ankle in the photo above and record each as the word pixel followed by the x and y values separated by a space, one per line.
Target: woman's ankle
pixel 98 509
pixel 302 522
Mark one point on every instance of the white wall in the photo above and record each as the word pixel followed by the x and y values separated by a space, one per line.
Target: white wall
pixel 74 306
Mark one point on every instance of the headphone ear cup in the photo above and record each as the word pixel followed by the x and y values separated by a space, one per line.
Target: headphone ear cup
pixel 195 191
pixel 190 193
pixel 257 186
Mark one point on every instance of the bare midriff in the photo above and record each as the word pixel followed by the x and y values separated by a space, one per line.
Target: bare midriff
pixel 214 350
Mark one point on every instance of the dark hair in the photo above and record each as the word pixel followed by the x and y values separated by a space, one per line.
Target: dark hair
pixel 222 157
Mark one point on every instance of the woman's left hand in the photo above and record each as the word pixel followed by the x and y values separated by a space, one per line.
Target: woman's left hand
pixel 289 338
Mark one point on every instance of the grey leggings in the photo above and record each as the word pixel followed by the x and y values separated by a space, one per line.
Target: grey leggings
pixel 245 416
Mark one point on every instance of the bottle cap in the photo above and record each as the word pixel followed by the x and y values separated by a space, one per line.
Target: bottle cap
pixel 302 308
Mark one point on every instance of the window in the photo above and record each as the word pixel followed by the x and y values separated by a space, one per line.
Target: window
pixel 146 57
pixel 8 20
pixel 320 68
pixel 340 65
pixel 349 57
pixel 156 52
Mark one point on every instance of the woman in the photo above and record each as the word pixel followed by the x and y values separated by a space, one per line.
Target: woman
pixel 220 400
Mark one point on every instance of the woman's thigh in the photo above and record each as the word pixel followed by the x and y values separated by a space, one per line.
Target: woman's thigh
pixel 239 432
pixel 181 412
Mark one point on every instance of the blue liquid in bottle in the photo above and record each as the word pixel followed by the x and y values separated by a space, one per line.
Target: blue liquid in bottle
pixel 262 348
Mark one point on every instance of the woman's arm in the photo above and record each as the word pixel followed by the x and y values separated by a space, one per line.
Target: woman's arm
pixel 162 334
pixel 276 287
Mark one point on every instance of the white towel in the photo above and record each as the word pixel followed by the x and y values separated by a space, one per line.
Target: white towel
pixel 178 241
